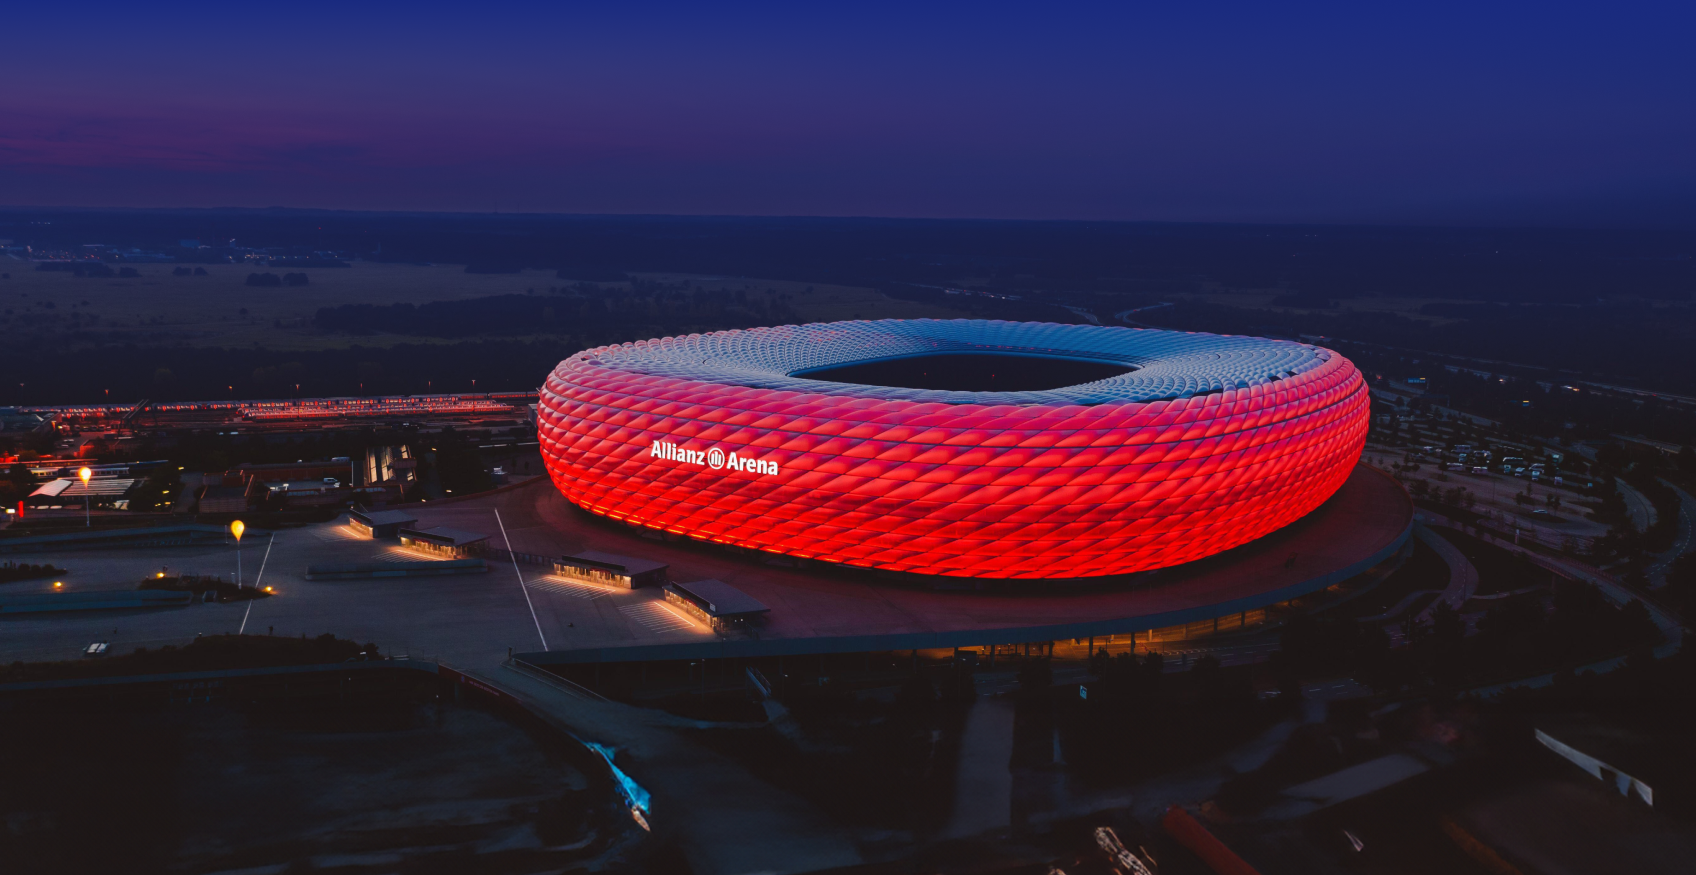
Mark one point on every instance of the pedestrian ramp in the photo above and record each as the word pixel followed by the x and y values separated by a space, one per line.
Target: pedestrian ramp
pixel 570 589
pixel 656 617
pixel 331 534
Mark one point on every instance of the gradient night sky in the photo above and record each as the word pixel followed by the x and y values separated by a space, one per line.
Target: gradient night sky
pixel 1348 111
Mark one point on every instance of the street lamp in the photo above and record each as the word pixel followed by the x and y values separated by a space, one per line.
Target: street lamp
pixel 236 528
pixel 87 522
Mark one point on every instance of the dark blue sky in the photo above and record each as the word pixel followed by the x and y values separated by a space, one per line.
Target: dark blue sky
pixel 1428 112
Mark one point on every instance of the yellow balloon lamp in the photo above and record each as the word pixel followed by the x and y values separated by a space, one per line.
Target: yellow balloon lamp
pixel 236 528
pixel 87 502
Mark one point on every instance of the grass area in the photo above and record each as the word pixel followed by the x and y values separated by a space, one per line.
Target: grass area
pixel 1423 570
pixel 1499 570
pixel 1139 722
pixel 1512 602
pixel 212 653
pixel 1263 299
pixel 862 760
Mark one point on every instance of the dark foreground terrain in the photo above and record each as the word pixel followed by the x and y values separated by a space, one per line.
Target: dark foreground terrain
pixel 411 784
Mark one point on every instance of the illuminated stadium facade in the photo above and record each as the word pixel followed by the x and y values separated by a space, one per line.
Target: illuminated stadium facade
pixel 958 448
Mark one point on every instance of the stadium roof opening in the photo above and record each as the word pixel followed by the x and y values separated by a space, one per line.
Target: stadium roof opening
pixel 971 372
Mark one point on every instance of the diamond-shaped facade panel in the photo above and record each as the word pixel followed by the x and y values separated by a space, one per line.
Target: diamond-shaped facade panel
pixel 1210 442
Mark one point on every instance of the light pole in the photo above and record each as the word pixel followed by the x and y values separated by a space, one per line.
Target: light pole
pixel 236 528
pixel 87 514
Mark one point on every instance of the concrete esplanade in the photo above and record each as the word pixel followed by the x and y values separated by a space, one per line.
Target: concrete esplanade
pixel 839 610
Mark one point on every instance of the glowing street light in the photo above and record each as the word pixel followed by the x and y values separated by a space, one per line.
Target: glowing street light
pixel 236 528
pixel 87 520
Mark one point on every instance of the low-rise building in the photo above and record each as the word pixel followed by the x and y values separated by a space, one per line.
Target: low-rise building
pixel 381 523
pixel 223 499
pixel 340 469
pixel 611 569
pixel 443 541
pixel 716 603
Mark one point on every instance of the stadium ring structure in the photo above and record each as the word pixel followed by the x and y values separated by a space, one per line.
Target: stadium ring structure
pixel 1196 443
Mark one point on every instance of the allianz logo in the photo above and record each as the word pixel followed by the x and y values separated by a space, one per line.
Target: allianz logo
pixel 713 458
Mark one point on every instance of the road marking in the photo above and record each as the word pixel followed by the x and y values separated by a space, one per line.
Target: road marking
pixel 256 580
pixel 655 617
pixel 520 574
pixel 561 586
pixel 338 533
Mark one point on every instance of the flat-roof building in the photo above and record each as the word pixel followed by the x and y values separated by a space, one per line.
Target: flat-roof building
pixel 611 569
pixel 443 541
pixel 340 468
pixel 714 602
pixel 380 523
pixel 223 499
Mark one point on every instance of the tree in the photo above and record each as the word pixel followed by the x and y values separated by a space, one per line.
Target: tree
pixel 17 485
pixel 1153 663
pixel 1681 586
pixel 1099 662
pixel 1636 625
pixel 1035 676
pixel 1446 623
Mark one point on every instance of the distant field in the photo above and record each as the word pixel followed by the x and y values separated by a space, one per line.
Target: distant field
pixel 825 303
pixel 1262 300
pixel 161 309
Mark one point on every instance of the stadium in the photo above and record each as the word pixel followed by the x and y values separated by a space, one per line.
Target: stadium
pixel 957 448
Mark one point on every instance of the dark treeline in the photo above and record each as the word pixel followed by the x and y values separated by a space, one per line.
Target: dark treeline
pixel 981 307
pixel 1577 297
pixel 129 373
pixel 1516 638
pixel 1636 343
pixel 1540 265
pixel 1553 411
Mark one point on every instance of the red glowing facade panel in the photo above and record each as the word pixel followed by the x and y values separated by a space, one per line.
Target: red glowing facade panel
pixel 715 438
